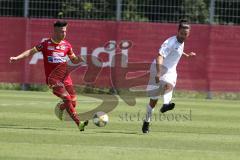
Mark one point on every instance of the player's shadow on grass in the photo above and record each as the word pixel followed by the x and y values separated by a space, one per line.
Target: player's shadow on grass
pixel 13 126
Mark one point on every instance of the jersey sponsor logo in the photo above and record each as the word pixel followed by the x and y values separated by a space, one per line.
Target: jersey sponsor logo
pixel 179 49
pixel 51 48
pixel 58 54
pixel 52 59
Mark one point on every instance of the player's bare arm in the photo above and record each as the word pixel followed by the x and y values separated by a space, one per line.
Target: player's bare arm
pixel 191 54
pixel 75 59
pixel 23 55
pixel 159 61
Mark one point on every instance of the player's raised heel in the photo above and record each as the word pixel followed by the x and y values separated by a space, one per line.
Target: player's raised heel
pixel 145 127
pixel 167 107
pixel 82 125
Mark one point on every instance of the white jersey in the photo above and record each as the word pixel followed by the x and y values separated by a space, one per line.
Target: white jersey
pixel 171 50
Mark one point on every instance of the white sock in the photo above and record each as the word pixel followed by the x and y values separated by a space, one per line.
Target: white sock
pixel 167 97
pixel 149 113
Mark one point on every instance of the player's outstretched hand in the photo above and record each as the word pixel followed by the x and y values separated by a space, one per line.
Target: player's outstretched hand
pixel 12 59
pixel 191 54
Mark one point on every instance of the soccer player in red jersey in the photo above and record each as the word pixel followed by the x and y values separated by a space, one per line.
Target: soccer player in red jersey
pixel 55 51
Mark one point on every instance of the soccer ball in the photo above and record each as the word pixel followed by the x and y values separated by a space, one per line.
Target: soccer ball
pixel 100 119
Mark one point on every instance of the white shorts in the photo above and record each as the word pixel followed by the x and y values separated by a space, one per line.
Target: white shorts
pixel 154 90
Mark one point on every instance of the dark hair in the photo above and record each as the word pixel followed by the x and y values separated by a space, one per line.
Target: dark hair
pixel 183 24
pixel 60 24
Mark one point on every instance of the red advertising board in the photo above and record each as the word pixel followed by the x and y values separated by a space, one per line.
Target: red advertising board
pixel 216 66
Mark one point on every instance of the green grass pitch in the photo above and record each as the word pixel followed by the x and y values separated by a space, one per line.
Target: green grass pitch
pixel 198 129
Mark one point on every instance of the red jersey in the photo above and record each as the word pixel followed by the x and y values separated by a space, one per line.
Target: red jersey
pixel 55 56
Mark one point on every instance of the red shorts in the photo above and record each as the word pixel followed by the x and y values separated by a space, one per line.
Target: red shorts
pixel 59 75
pixel 52 81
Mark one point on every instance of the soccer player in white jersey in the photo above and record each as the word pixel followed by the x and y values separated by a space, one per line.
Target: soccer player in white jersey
pixel 163 74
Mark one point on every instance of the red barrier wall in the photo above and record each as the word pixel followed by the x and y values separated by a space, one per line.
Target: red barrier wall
pixel 216 66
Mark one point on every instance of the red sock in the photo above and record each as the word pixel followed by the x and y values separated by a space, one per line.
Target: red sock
pixel 71 111
pixel 63 94
pixel 72 92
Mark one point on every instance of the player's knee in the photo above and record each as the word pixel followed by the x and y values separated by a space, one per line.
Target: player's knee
pixel 67 98
pixel 153 102
pixel 168 87
pixel 74 97
pixel 74 100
